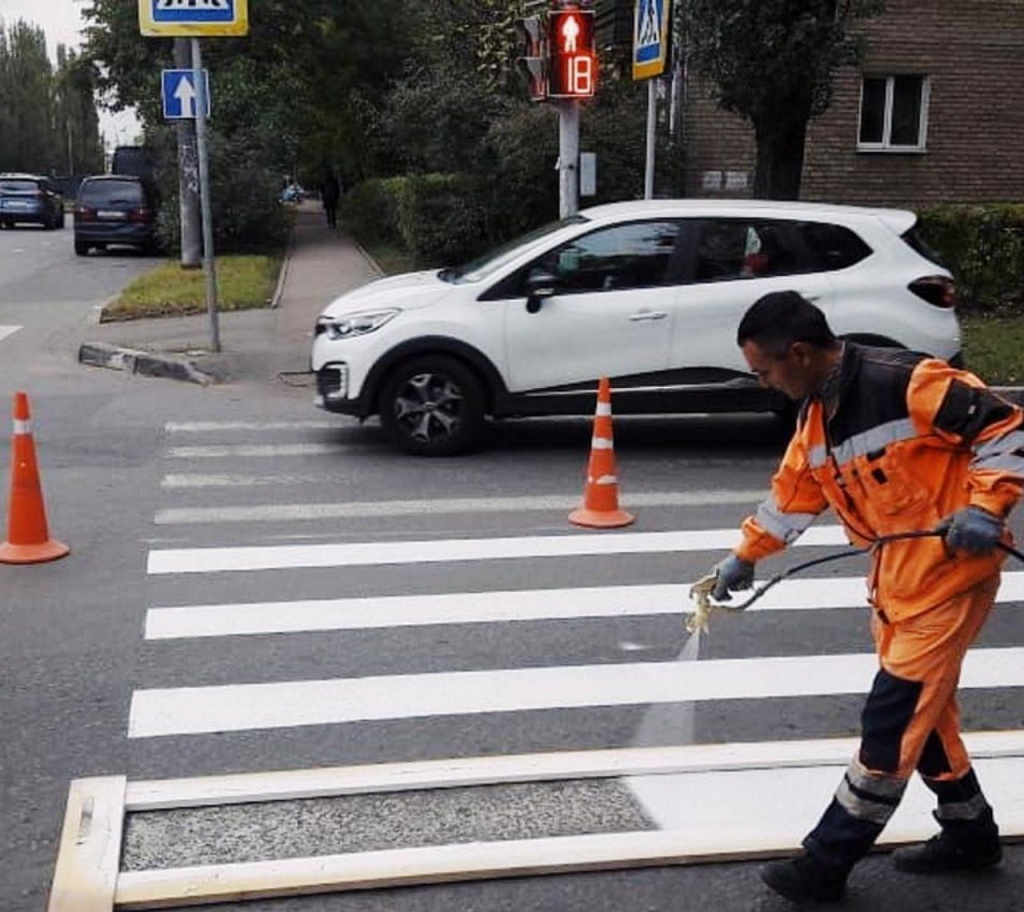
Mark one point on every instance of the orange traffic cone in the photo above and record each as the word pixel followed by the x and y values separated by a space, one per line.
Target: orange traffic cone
pixel 601 497
pixel 28 540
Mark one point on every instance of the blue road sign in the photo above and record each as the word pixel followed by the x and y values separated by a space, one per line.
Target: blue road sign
pixel 178 91
pixel 650 37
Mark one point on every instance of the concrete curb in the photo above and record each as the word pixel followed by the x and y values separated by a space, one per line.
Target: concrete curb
pixel 150 364
pixel 285 264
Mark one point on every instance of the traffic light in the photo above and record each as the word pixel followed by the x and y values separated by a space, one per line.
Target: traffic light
pixel 573 68
pixel 533 57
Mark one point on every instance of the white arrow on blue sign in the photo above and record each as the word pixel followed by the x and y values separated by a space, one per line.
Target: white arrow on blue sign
pixel 179 94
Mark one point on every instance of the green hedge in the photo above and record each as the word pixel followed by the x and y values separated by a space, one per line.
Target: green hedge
pixel 440 219
pixel 983 246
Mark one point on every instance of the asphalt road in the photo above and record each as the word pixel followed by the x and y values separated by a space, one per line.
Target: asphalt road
pixel 137 470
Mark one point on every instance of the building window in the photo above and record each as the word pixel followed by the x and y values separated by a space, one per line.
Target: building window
pixel 893 114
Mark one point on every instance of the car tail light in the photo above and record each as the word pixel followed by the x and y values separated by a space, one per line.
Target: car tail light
pixel 141 215
pixel 85 214
pixel 937 290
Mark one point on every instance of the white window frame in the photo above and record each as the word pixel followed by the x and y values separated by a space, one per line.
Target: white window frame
pixel 886 144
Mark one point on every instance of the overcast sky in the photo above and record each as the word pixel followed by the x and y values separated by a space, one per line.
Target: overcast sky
pixel 62 22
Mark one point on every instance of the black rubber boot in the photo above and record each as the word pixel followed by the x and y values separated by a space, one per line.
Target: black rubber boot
pixel 962 845
pixel 805 879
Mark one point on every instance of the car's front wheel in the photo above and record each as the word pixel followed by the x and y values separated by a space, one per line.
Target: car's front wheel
pixel 432 406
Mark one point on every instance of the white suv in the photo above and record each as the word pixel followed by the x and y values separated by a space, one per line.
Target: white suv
pixel 646 293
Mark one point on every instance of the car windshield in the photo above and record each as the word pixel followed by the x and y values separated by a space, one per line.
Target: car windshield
pixel 18 186
pixel 479 269
pixel 111 192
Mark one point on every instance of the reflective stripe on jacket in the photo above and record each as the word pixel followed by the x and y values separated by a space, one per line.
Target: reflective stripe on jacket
pixel 911 441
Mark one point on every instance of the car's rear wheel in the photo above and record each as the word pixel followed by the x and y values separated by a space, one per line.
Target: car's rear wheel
pixel 432 406
pixel 81 248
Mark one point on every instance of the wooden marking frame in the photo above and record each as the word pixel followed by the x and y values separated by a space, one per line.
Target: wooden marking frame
pixel 87 877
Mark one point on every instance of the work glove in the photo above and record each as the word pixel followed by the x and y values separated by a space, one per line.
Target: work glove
pixel 974 530
pixel 731 574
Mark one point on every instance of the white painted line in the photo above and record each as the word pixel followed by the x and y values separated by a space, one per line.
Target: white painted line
pixel 435 506
pixel 6 331
pixel 258 618
pixel 256 449
pixel 280 557
pixel 89 855
pixel 244 707
pixel 712 822
pixel 462 772
pixel 184 480
pixel 203 427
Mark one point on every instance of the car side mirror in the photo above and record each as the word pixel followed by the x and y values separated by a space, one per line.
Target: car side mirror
pixel 540 284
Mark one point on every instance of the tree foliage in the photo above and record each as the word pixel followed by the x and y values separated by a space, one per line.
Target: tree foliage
pixel 774 62
pixel 48 120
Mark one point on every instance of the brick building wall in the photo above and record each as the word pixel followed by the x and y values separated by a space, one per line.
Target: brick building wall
pixel 971 51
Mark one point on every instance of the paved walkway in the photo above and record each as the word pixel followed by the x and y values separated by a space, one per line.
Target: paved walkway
pixel 256 344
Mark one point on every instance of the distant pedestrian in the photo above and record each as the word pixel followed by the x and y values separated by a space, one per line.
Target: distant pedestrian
pixel 330 193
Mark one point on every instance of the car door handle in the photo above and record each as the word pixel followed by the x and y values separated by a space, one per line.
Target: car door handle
pixel 644 315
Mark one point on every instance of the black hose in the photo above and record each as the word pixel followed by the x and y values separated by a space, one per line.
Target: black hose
pixel 849 552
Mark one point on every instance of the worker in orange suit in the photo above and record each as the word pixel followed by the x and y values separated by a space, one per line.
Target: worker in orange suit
pixel 893 441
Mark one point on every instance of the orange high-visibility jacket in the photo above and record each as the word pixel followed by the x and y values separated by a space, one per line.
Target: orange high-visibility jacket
pixel 911 440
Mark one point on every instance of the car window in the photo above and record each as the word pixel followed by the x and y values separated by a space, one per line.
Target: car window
pixel 111 193
pixel 730 249
pixel 483 266
pixel 634 255
pixel 917 242
pixel 8 185
pixel 832 246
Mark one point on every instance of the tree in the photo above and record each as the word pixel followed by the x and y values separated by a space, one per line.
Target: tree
pixel 27 98
pixel 774 63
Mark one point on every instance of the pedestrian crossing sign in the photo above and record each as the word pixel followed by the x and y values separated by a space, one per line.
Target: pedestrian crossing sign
pixel 193 18
pixel 651 21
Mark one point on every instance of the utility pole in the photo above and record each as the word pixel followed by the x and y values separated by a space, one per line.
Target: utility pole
pixel 188 173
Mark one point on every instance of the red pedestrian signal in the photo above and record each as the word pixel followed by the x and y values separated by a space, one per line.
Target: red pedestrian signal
pixel 573 69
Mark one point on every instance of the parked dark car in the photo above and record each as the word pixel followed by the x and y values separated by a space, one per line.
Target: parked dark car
pixel 116 210
pixel 30 198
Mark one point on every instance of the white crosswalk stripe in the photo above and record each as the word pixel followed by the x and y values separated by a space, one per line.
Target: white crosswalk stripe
pixel 281 557
pixel 190 710
pixel 6 331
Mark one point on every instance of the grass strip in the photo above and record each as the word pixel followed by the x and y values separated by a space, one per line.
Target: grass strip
pixel 994 347
pixel 243 283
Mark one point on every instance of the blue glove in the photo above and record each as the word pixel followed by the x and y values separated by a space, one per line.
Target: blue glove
pixel 731 574
pixel 973 530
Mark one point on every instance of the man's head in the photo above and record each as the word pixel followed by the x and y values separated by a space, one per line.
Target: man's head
pixel 787 343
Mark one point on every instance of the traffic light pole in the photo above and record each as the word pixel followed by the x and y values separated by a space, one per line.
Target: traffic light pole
pixel 568 157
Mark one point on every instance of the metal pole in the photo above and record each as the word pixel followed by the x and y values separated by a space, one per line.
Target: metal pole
pixel 649 167
pixel 204 195
pixel 568 158
pixel 188 174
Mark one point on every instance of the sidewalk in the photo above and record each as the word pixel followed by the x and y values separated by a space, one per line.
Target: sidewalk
pixel 319 265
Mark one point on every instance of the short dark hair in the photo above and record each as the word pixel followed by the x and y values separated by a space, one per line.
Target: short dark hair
pixel 777 320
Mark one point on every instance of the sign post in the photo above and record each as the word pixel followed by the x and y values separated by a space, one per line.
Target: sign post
pixel 196 19
pixel 651 22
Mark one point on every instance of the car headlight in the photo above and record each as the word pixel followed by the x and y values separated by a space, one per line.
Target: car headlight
pixel 353 324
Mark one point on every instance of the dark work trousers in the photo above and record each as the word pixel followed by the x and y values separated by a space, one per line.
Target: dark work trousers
pixel 910 721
